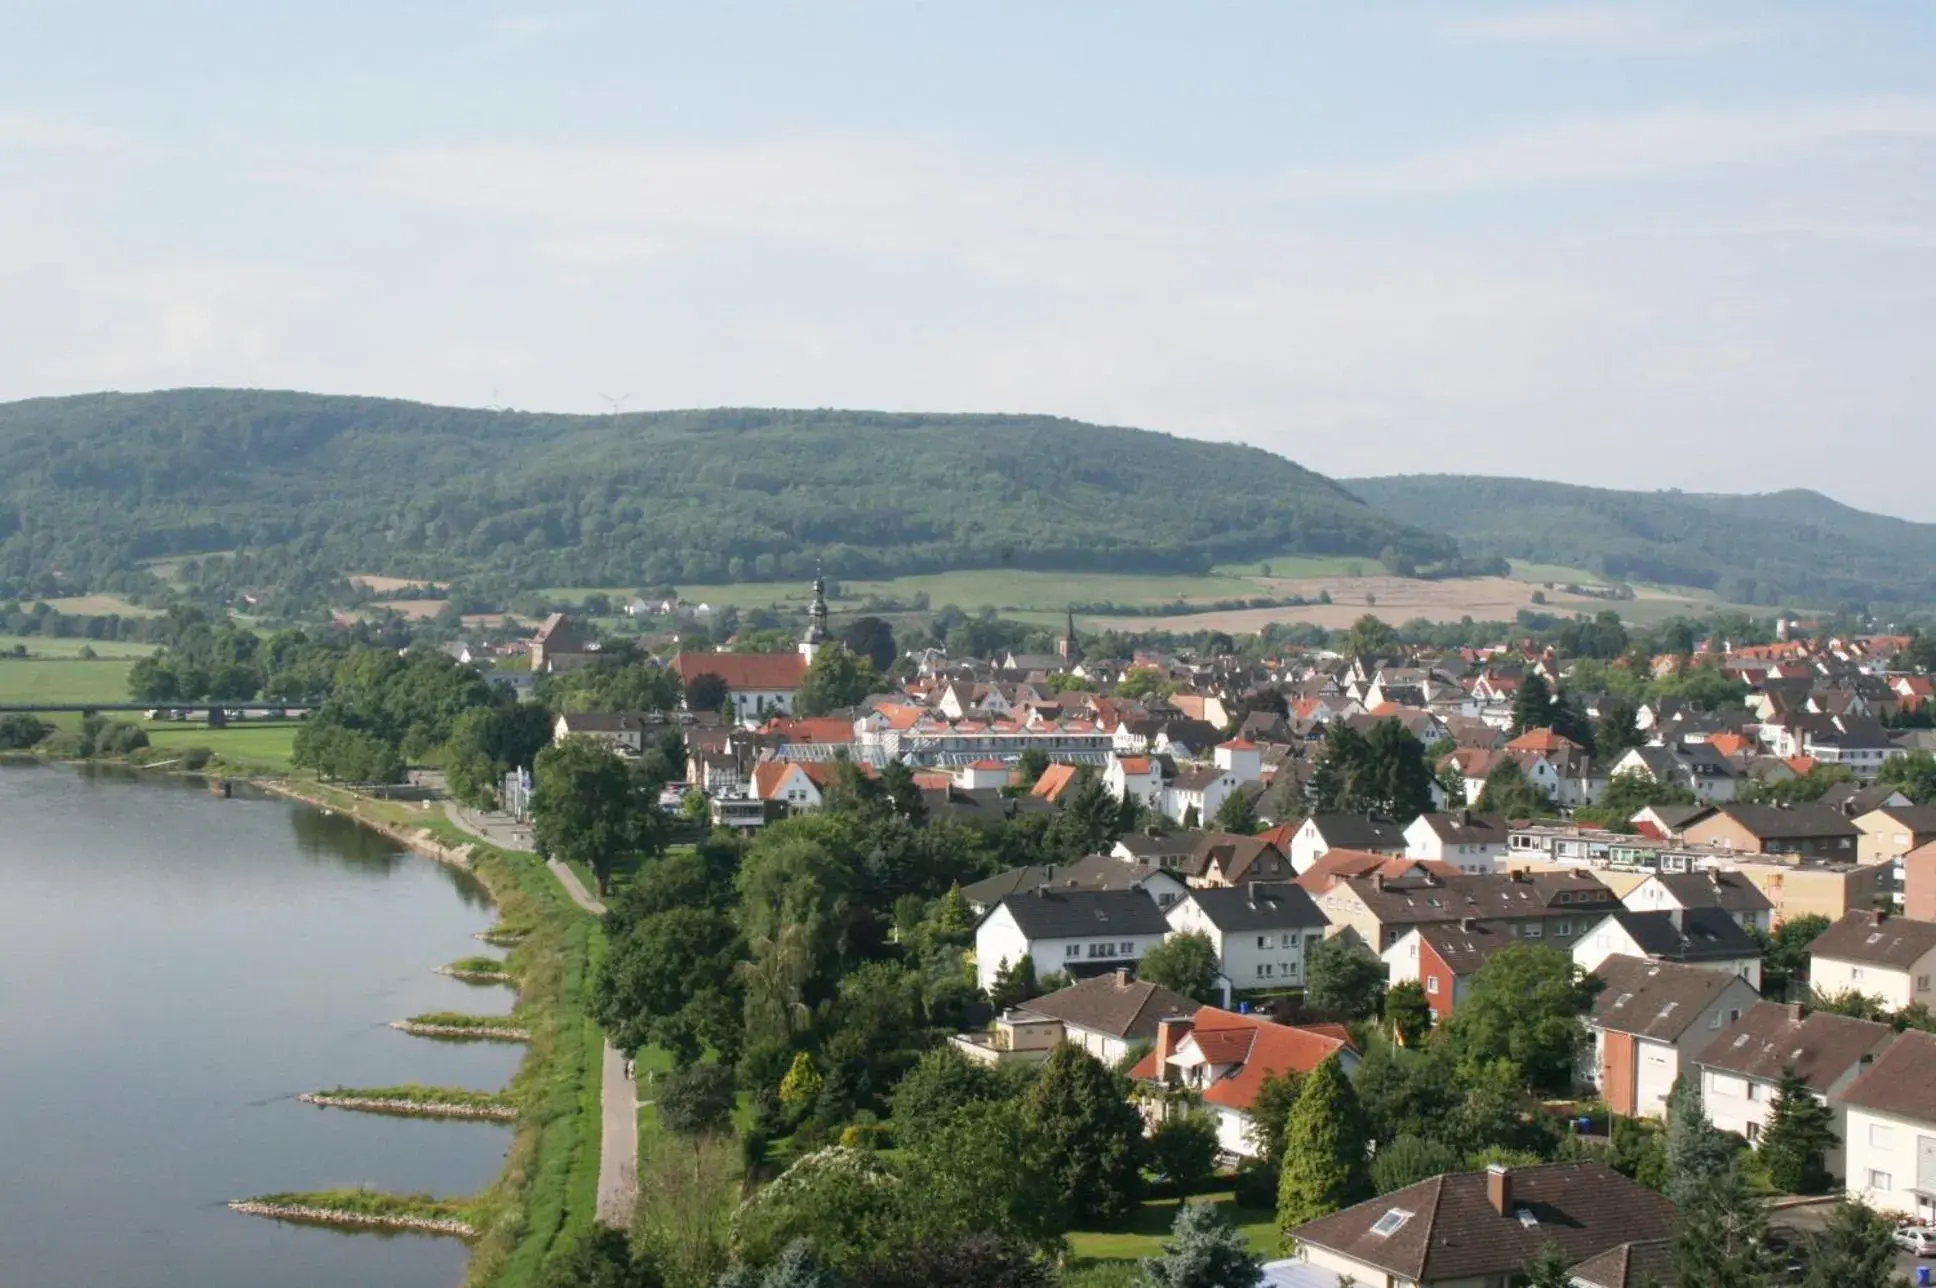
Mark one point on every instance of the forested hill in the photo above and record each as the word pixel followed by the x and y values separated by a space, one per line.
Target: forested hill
pixel 315 486
pixel 1796 548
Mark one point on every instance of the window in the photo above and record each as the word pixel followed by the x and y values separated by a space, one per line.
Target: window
pixel 1880 1137
pixel 1922 983
pixel 1390 1223
pixel 1714 1020
pixel 1073 950
pixel 1126 949
pixel 1757 1091
pixel 1754 1133
pixel 1432 984
pixel 1264 970
pixel 1531 932
pixel 1263 941
pixel 1563 928
pixel 1287 941
pixel 1881 1180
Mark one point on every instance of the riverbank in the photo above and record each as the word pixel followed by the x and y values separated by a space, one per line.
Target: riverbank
pixel 412 1101
pixel 363 1209
pixel 547 1193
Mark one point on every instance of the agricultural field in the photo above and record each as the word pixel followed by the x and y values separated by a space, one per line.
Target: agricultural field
pixel 64 679
pixel 100 606
pixel 54 646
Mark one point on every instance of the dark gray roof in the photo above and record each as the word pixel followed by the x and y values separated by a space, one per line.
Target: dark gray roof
pixel 1466 828
pixel 1726 890
pixel 1114 1004
pixel 1770 1037
pixel 1261 905
pixel 1357 832
pixel 1919 819
pixel 1073 914
pixel 1704 935
pixel 1145 846
pixel 1465 946
pixel 1675 817
pixel 1876 939
pixel 1779 822
pixel 1096 872
pixel 1654 999
pixel 1195 780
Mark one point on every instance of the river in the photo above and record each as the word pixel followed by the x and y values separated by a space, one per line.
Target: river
pixel 175 969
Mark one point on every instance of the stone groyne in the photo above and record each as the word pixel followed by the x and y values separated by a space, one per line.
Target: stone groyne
pixel 482 1033
pixel 365 1220
pixel 410 1108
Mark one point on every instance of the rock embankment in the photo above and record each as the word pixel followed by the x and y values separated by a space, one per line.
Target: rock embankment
pixel 481 1033
pixel 410 1108
pixel 365 1220
pixel 478 976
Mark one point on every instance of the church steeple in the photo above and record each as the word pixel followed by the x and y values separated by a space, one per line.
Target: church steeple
pixel 816 618
pixel 1070 649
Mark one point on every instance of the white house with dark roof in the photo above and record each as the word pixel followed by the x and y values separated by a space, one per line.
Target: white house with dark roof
pixel 1259 929
pixel 1741 1070
pixel 1705 938
pixel 1469 842
pixel 1890 1129
pixel 1082 932
pixel 1319 834
pixel 1731 892
pixel 1889 958
pixel 1200 788
pixel 1650 1017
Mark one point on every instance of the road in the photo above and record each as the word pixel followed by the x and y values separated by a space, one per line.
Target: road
pixel 1804 1219
pixel 618 1150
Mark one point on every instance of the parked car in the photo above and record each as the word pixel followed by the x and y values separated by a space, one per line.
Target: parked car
pixel 1919 1239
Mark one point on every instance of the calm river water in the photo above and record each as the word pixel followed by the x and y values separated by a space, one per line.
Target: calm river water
pixel 174 970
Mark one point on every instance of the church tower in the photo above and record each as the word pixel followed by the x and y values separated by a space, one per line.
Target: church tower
pixel 1069 650
pixel 816 636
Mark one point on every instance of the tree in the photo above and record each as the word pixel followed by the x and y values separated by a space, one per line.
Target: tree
pixel 983 1169
pixel 1368 637
pixel 1014 983
pixel 1031 765
pixel 1325 1141
pixel 678 1214
pixel 802 1083
pixel 1913 774
pixel 1186 964
pixel 975 1260
pixel 1407 1012
pixel 1533 705
pixel 19 731
pixel 488 742
pixel 1799 1135
pixel 1854 1250
pixel 1695 1152
pixel 871 638
pixel 1720 1242
pixel 1270 1113
pixel 835 678
pixel 1509 792
pixel 1617 729
pixel 941 1083
pixel 1784 954
pixel 1626 794
pixel 586 807
pixel 1092 1134
pixel 707 692
pixel 1205 1251
pixel 667 978
pixel 1185 1149
pixel 1237 814
pixel 847 1204
pixel 1408 1160
pixel 697 1100
pixel 1342 979
pixel 1527 1006
pixel 1550 1269
pixel 599 1258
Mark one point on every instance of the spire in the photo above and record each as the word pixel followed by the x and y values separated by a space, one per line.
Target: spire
pixel 816 617
pixel 1070 649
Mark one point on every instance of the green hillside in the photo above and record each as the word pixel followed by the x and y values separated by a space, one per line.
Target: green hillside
pixel 304 487
pixel 1794 548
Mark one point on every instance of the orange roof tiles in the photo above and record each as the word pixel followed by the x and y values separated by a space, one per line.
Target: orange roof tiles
pixel 1055 780
pixel 744 672
pixel 1257 1047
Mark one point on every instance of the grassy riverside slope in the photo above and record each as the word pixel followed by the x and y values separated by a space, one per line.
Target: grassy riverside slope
pixel 547 1192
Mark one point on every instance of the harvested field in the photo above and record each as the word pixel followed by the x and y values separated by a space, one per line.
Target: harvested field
pixel 1394 599
pixel 387 585
pixel 422 609
pixel 100 606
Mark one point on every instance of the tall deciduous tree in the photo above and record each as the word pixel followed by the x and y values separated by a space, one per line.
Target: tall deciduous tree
pixel 1407 1012
pixel 836 678
pixel 1526 1005
pixel 1185 963
pixel 1509 792
pixel 1342 979
pixel 587 807
pixel 1325 1166
pixel 1093 1135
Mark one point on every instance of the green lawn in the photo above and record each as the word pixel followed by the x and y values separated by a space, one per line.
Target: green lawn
pixel 1146 1230
pixel 64 679
pixel 66 646
pixel 1303 566
pixel 241 745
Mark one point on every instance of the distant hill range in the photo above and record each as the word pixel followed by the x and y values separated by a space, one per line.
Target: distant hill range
pixel 307 487
pixel 1796 548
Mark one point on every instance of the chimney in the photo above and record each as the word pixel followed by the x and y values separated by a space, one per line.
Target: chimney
pixel 1499 1188
pixel 1794 1010
pixel 1250 892
pixel 1122 977
pixel 1170 1033
pixel 1378 881
pixel 1048 875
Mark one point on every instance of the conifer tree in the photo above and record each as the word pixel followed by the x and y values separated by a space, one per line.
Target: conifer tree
pixel 1205 1251
pixel 1325 1141
pixel 1720 1242
pixel 1855 1250
pixel 1799 1134
pixel 1696 1153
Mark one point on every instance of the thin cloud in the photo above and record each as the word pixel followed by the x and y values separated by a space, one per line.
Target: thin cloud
pixel 1611 28
pixel 32 132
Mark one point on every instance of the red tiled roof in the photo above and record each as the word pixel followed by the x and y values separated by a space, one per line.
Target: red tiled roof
pixel 1237 744
pixel 1055 780
pixel 1258 1047
pixel 1135 764
pixel 768 775
pixel 744 672
pixel 1335 864
pixel 1541 740
pixel 811 729
pixel 988 764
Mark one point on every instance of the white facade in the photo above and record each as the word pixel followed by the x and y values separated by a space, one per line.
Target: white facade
pixel 1891 1162
pixel 1609 938
pixel 999 939
pixel 1241 760
pixel 1652 895
pixel 1423 842
pixel 1249 958
pixel 1205 799
pixel 1894 988
pixel 1657 1062
pixel 759 704
pixel 1146 786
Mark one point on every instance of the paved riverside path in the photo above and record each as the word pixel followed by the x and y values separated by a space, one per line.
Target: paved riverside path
pixel 618 1150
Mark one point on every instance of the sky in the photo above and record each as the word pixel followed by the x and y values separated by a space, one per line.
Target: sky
pixel 1647 244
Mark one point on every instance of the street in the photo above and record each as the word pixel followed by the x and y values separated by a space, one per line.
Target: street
pixel 1794 1224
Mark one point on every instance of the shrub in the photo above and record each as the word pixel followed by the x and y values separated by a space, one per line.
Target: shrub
pixel 196 758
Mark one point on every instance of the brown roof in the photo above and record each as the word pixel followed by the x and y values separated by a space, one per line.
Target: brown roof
pixel 1647 1263
pixel 1790 822
pixel 1463 827
pixel 1654 999
pixel 1899 1083
pixel 744 672
pixel 1410 901
pixel 1113 1004
pixel 1325 873
pixel 1729 891
pixel 1465 946
pixel 1876 939
pixel 1770 1037
pixel 1452 1231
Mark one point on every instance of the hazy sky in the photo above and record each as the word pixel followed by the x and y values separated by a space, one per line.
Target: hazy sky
pixel 1649 244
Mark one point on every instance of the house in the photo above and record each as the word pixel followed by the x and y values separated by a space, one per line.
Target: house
pixel 1196 794
pixel 786 782
pixel 1077 931
pixel 625 732
pixel 1540 906
pixel 1731 892
pixel 757 684
pixel 1096 872
pixel 1644 1263
pixel 1469 842
pixel 1919 883
pixel 1225 1058
pixel 1336 864
pixel 1170 850
pixel 1138 776
pixel 1809 830
pixel 1696 766
pixel 1669 821
pixel 1323 832
pixel 1649 1018
pixel 1443 956
pixel 1481 1229
pixel 1227 859
pixel 1055 780
pixel 1706 938
pixel 1889 1133
pixel 1105 1016
pixel 1742 1069
pixel 560 646
pixel 1885 957
pixel 1259 929
pixel 1892 831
